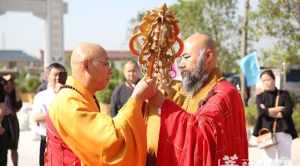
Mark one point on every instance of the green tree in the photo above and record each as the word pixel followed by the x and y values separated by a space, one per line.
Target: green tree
pixel 27 82
pixel 216 18
pixel 280 20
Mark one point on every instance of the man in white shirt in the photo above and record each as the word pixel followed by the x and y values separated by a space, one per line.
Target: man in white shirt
pixel 56 78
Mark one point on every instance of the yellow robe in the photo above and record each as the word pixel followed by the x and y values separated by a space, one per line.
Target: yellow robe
pixel 188 103
pixel 94 137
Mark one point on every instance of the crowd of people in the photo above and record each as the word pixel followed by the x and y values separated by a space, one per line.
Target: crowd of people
pixel 199 120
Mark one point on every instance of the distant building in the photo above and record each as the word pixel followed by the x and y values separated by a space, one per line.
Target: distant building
pixel 12 61
pixel 120 57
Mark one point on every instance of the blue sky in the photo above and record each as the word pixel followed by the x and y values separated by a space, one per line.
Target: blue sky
pixel 104 22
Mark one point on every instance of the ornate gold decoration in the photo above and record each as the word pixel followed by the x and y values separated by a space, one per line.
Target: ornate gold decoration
pixel 156 42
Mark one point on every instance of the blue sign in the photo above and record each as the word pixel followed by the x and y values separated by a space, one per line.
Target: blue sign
pixel 250 68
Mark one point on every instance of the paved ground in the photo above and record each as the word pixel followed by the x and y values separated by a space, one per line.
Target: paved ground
pixel 255 154
pixel 29 151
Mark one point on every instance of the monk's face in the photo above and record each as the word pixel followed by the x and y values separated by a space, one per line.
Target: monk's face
pixel 188 61
pixel 100 70
pixel 192 67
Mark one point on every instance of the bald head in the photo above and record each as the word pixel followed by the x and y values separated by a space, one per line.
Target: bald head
pixel 86 51
pixel 200 44
pixel 90 66
pixel 197 62
pixel 131 72
pixel 199 41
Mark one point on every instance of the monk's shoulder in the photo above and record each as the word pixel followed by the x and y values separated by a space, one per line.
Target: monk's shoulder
pixel 67 98
pixel 225 88
pixel 223 96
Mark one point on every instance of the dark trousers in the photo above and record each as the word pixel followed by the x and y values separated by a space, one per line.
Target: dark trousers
pixel 151 159
pixel 42 150
pixel 3 157
pixel 4 142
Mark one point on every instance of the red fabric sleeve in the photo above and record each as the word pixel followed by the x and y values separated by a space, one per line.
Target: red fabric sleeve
pixel 184 143
pixel 213 135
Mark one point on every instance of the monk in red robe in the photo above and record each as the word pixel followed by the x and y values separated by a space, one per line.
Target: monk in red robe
pixel 202 120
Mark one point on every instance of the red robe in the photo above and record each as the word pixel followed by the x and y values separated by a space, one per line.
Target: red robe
pixel 214 135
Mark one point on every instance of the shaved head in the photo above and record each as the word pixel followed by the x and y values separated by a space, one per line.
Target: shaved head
pixel 131 72
pixel 86 51
pixel 197 62
pixel 199 41
pixel 90 66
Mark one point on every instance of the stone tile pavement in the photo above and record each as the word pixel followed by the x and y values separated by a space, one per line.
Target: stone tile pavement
pixel 29 151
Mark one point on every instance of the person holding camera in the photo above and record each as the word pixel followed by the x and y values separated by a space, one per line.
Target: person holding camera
pixel 57 76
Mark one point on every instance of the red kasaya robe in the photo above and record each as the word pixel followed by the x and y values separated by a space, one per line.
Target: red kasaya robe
pixel 214 135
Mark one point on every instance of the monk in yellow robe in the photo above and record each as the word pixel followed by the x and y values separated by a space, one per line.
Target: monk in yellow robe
pixel 78 133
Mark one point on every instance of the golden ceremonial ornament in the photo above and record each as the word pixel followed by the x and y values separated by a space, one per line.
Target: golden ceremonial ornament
pixel 156 43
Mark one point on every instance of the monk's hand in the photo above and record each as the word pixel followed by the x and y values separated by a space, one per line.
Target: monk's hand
pixel 164 89
pixel 144 89
pixel 157 100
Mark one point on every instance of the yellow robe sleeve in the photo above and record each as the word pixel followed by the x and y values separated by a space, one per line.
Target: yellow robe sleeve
pixel 175 93
pixel 153 128
pixel 153 120
pixel 96 138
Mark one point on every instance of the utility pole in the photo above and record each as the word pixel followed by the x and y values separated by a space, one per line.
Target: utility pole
pixel 244 39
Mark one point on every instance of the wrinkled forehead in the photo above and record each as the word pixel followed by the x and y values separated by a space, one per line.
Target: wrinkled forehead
pixel 89 51
pixel 193 49
pixel 102 56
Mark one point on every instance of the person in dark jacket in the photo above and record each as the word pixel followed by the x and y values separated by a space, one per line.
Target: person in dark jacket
pixel 268 113
pixel 122 92
pixel 3 126
pixel 2 105
pixel 13 103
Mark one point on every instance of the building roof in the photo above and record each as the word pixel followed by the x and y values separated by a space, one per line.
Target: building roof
pixel 16 55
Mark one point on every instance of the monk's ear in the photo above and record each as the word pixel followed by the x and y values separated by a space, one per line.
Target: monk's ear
pixel 209 55
pixel 85 64
pixel 210 58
